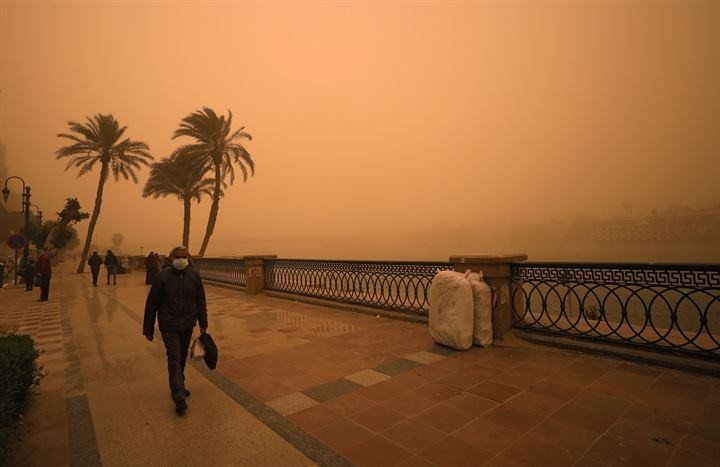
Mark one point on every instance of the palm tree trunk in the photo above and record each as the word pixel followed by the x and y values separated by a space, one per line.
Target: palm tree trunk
pixel 186 222
pixel 94 217
pixel 214 208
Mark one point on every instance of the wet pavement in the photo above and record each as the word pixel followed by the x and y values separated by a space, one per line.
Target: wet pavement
pixel 298 384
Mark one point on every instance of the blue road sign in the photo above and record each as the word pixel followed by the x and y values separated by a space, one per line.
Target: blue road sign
pixel 17 241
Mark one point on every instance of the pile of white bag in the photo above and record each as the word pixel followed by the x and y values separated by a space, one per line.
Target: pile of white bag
pixel 460 310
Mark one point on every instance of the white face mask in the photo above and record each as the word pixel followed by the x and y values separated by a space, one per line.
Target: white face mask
pixel 180 263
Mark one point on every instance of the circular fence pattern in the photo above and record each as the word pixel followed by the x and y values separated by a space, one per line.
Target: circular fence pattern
pixel 397 286
pixel 662 306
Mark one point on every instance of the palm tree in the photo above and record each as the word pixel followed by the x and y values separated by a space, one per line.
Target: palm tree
pixel 181 178
pixel 99 140
pixel 216 150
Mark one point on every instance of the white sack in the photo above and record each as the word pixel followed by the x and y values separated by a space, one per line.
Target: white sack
pixel 451 310
pixel 482 310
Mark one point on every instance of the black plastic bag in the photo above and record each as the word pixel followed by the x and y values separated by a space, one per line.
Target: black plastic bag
pixel 211 351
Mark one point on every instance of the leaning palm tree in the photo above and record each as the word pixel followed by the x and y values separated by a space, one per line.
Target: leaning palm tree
pixel 181 178
pixel 216 150
pixel 100 141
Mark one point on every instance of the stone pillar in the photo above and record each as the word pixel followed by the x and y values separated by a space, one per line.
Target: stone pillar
pixel 255 273
pixel 496 273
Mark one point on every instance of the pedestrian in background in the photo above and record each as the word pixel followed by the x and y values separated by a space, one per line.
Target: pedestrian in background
pixel 29 273
pixel 45 272
pixel 150 265
pixel 157 264
pixel 95 261
pixel 111 264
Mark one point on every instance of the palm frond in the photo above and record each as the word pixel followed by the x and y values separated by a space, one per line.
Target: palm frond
pixel 100 138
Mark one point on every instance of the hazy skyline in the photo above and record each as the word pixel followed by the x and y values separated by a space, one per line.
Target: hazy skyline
pixel 374 120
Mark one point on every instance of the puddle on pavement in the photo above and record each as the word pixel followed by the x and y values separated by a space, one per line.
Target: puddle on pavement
pixel 309 323
pixel 289 321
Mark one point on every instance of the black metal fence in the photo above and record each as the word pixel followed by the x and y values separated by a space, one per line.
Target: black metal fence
pixel 667 306
pixel 395 286
pixel 228 271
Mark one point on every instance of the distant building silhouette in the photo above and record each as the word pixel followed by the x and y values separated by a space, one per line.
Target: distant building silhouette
pixel 674 224
pixel 665 226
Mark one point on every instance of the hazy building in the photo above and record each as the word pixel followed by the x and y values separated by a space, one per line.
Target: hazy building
pixel 661 227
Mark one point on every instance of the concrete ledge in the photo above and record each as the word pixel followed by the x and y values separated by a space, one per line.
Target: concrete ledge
pixel 699 364
pixel 224 285
pixel 488 259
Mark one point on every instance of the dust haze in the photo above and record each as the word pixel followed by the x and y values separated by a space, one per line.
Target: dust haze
pixel 386 130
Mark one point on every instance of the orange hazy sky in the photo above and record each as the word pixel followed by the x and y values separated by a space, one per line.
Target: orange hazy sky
pixel 392 120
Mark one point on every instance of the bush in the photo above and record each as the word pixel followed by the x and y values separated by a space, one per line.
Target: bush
pixel 19 378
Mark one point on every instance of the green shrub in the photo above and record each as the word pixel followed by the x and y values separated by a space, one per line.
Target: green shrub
pixel 19 378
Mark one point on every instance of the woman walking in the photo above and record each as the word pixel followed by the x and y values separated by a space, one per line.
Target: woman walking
pixel 111 264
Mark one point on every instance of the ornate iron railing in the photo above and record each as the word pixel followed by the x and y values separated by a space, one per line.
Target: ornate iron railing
pixel 669 306
pixel 228 271
pixel 396 286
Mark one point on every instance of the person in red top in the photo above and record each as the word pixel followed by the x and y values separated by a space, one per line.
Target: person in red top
pixel 45 272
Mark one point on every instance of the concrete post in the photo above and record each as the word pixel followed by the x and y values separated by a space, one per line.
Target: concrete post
pixel 255 273
pixel 497 274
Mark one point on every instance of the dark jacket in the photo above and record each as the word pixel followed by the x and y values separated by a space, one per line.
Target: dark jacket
pixel 178 300
pixel 30 267
pixel 95 261
pixel 110 260
pixel 43 266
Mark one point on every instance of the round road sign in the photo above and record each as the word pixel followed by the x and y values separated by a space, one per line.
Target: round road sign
pixel 17 241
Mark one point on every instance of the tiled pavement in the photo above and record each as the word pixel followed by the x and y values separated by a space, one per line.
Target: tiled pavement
pixel 43 321
pixel 379 392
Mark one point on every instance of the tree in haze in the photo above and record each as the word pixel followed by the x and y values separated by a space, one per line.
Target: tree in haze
pixel 180 177
pixel 215 150
pixel 100 141
pixel 117 240
pixel 71 214
pixel 65 239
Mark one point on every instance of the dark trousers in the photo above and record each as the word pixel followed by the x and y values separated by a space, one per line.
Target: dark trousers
pixel 95 273
pixel 29 281
pixel 177 345
pixel 44 287
pixel 112 270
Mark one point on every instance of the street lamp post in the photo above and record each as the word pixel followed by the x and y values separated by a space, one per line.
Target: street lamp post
pixel 26 207
pixel 39 214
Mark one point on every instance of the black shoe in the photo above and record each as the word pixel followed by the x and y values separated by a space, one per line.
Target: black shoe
pixel 181 407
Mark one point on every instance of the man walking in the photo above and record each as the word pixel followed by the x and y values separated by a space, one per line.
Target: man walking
pixel 177 298
pixel 45 272
pixel 95 261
